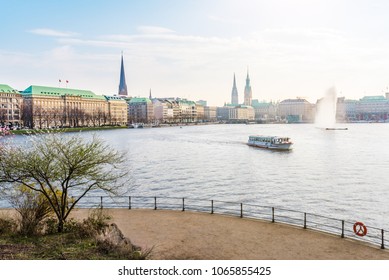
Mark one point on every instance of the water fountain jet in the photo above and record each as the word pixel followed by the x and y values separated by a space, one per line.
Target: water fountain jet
pixel 326 111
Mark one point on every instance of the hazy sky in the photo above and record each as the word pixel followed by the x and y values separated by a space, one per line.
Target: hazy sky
pixel 192 48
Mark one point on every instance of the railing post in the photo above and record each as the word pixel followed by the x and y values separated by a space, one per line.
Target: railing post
pixel 241 210
pixel 212 206
pixel 342 229
pixel 101 202
pixel 129 203
pixel 155 203
pixel 383 241
pixel 183 204
pixel 272 215
pixel 305 220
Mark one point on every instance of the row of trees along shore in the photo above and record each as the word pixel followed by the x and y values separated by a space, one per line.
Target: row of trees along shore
pixel 75 117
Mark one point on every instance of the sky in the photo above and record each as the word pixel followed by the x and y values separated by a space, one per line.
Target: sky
pixel 193 48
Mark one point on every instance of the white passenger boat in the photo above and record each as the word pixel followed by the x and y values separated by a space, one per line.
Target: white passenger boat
pixel 136 125
pixel 270 142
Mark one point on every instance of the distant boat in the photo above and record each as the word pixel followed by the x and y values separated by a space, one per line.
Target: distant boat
pixel 136 125
pixel 270 142
pixel 336 128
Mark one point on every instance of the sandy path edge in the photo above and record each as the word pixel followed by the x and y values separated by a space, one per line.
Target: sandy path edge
pixel 202 236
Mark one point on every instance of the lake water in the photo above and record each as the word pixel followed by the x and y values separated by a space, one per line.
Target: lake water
pixel 341 173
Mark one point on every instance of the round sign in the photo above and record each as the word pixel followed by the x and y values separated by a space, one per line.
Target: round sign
pixel 360 229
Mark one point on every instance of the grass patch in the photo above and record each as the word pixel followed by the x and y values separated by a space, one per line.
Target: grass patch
pixel 80 241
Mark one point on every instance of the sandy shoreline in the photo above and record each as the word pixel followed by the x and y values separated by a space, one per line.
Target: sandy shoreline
pixel 202 236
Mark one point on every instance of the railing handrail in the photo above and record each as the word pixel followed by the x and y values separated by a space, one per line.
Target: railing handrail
pixel 240 210
pixel 269 213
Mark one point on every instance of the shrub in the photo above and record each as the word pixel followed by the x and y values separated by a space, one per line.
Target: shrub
pixel 7 226
pixel 123 252
pixel 33 208
pixel 97 219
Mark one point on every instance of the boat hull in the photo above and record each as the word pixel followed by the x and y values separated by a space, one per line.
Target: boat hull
pixel 270 142
pixel 280 147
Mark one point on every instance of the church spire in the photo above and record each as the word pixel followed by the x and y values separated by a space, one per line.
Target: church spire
pixel 234 93
pixel 122 84
pixel 247 91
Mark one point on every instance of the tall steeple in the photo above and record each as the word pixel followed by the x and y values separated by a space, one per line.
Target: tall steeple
pixel 248 96
pixel 234 93
pixel 122 84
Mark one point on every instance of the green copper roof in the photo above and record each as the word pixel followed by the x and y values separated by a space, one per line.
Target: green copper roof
pixel 230 105
pixel 256 104
pixel 109 97
pixel 139 100
pixel 8 89
pixel 377 98
pixel 53 91
pixel 187 102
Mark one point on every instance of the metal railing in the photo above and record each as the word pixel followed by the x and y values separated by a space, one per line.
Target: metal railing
pixel 342 228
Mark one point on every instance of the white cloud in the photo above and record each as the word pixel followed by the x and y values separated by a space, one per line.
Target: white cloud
pixel 145 29
pixel 284 62
pixel 224 20
pixel 52 32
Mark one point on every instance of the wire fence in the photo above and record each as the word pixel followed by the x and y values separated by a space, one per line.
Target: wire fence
pixel 342 228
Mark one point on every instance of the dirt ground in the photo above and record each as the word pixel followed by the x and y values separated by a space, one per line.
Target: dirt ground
pixel 177 235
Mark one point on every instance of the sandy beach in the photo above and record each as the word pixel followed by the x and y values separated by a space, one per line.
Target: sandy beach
pixel 176 235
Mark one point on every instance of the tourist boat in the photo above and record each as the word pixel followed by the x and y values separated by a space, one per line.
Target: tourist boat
pixel 270 142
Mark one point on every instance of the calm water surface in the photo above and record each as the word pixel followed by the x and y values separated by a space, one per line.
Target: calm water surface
pixel 341 174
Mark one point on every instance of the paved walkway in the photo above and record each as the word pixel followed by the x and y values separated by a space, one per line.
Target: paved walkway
pixel 191 235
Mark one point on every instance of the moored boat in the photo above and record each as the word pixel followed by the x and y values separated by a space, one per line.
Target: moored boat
pixel 270 142
pixel 336 128
pixel 136 125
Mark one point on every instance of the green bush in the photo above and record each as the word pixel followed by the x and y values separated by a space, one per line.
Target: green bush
pixel 33 209
pixel 7 226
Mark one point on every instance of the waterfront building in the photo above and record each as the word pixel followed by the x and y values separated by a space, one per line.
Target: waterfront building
pixel 366 109
pixel 117 110
pixel 210 113
pixel 10 106
pixel 350 108
pixel 46 107
pixel 163 113
pixel 140 110
pixel 265 111
pixel 200 112
pixel 122 84
pixel 160 109
pixel 372 108
pixel 247 91
pixel 242 113
pixel 202 102
pixel 174 110
pixel 296 110
pixel 340 109
pixel 188 110
pixel 234 93
pixel 223 113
